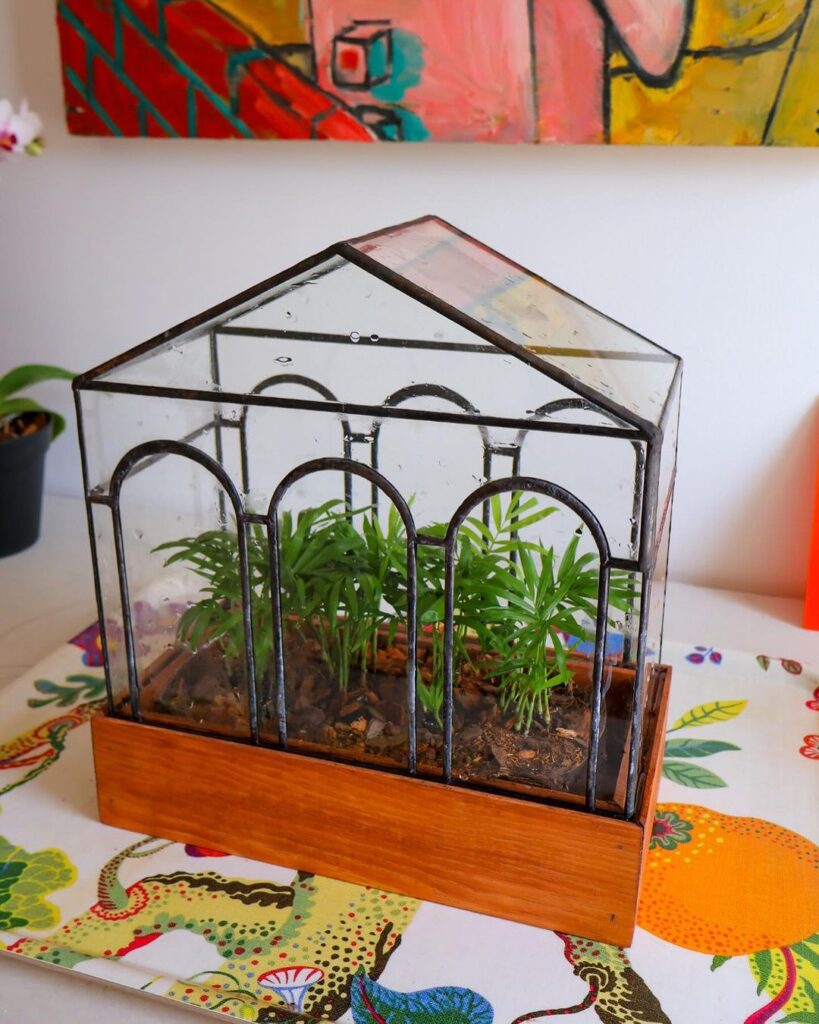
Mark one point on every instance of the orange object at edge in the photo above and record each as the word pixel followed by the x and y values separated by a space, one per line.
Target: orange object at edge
pixel 811 620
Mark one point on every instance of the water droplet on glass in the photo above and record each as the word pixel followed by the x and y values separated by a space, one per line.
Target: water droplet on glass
pixel 374 337
pixel 288 315
pixel 283 359
pixel 354 336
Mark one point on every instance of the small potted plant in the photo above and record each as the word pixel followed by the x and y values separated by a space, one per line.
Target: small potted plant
pixel 26 430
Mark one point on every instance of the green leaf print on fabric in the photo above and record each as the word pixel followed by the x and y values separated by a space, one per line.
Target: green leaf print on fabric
pixel 76 688
pixel 25 881
pixel 692 775
pixel 696 748
pixel 678 752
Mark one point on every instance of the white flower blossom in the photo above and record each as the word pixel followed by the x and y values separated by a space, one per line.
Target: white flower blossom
pixel 20 131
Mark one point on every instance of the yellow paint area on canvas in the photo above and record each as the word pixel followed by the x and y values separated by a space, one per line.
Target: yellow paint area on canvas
pixel 715 102
pixel 797 117
pixel 726 97
pixel 275 22
pixel 732 23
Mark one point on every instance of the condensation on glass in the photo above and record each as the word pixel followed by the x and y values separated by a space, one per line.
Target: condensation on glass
pixel 407 505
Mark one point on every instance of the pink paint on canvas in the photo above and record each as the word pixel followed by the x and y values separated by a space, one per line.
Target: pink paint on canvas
pixel 462 69
pixel 484 70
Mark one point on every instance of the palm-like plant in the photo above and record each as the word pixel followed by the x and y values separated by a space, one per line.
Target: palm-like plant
pixel 343 585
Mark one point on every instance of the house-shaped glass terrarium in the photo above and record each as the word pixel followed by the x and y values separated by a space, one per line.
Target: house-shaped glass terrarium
pixel 380 549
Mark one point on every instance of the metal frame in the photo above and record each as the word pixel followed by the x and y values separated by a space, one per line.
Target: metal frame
pixel 147 453
pixel 645 437
pixel 349 468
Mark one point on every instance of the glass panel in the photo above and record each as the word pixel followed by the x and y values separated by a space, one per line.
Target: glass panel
pixel 343 586
pixel 489 382
pixel 606 473
pixel 182 363
pixel 668 458
pixel 116 423
pixel 352 307
pixel 523 651
pixel 111 604
pixel 562 331
pixel 182 558
pixel 185 361
pixel 656 613
pixel 360 341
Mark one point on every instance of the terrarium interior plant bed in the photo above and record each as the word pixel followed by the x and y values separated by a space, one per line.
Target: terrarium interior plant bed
pixel 380 549
pixel 522 696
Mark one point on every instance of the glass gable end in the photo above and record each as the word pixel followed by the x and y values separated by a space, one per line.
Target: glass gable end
pixel 378 343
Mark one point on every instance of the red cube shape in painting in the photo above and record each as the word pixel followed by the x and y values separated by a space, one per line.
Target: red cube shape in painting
pixel 362 55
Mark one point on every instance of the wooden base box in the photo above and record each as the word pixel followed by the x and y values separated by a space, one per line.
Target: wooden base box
pixel 550 866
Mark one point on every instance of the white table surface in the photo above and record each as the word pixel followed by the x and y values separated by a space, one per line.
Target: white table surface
pixel 47 596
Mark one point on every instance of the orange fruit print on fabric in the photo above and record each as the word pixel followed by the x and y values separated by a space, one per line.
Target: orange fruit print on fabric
pixel 727 885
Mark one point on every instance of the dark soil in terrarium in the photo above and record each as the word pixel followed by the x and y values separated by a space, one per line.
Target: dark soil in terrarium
pixel 368 721
pixel 371 716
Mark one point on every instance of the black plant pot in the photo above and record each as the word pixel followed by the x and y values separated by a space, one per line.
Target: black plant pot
pixel 22 462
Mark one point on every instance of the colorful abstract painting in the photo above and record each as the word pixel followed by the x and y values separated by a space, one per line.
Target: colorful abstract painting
pixel 696 72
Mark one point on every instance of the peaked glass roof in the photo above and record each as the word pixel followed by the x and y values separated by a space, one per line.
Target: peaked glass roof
pixel 555 333
pixel 448 303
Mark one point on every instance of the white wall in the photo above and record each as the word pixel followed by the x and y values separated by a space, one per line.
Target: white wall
pixel 712 252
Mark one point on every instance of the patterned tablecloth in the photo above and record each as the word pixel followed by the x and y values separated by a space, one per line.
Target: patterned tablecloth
pixel 728 924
